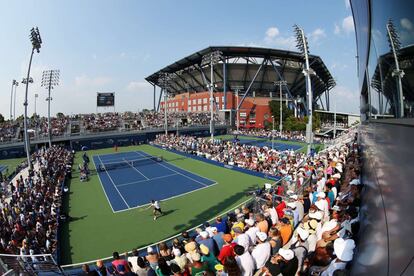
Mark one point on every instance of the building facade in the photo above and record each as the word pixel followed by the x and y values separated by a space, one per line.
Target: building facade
pixel 385 44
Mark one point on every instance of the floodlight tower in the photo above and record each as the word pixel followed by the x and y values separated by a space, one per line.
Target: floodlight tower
pixel 302 45
pixel 14 84
pixel 237 89
pixel 14 103
pixel 395 45
pixel 165 82
pixel 280 83
pixel 212 58
pixel 50 79
pixel 36 44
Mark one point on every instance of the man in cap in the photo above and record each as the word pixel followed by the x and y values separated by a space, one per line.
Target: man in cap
pixel 241 238
pixel 209 242
pixel 217 237
pixel 251 231
pixel 322 205
pixel 261 252
pixel 310 226
pixel 284 263
pixel 300 247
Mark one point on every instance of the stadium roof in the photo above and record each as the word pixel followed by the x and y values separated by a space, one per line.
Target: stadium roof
pixel 242 65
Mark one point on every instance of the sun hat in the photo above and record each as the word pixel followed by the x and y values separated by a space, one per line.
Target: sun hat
pixel 344 249
pixel 287 254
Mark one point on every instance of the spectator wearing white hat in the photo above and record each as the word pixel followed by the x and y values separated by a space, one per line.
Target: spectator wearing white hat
pixel 344 251
pixel 261 252
pixel 322 205
pixel 285 262
pixel 310 226
pixel 251 231
pixel 301 247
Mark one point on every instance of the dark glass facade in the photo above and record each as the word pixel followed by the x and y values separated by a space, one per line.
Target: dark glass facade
pixel 385 243
pixel 380 87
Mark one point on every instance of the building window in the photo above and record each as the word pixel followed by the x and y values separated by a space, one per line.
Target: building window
pixel 205 100
pixel 199 101
pixel 194 101
pixel 205 107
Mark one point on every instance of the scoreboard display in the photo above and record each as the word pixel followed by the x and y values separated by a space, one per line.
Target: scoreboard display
pixel 106 99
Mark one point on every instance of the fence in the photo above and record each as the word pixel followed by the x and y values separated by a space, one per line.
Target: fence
pixel 41 264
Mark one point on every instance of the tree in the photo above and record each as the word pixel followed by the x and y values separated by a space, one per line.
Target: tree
pixel 60 115
pixel 274 107
pixel 1 118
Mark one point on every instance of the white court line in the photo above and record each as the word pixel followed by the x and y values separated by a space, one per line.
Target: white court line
pixel 136 169
pixel 205 185
pixel 110 204
pixel 113 183
pixel 165 199
pixel 140 181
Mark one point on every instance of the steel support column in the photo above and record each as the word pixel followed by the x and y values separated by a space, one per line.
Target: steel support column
pixel 283 79
pixel 251 83
pixel 159 99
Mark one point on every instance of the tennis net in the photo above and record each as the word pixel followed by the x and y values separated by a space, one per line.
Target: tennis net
pixel 106 166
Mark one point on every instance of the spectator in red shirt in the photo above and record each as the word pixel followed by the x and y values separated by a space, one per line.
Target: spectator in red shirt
pixel 228 248
pixel 281 205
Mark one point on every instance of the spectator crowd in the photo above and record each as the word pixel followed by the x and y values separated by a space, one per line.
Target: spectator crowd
pixel 30 204
pixel 260 159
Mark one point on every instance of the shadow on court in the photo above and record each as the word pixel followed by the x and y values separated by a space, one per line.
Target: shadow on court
pixel 215 210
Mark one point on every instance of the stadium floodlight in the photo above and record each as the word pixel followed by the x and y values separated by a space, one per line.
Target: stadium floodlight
pixel 36 44
pixel 14 85
pixel 280 83
pixel 212 58
pixel 165 80
pixel 50 79
pixel 237 89
pixel 36 96
pixel 302 45
pixel 395 46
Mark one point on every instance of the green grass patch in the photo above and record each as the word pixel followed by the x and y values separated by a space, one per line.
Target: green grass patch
pixel 11 164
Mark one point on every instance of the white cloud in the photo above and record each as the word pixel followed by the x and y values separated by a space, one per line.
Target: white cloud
pixel 273 38
pixel 135 86
pixel 272 32
pixel 348 24
pixel 337 29
pixel 406 24
pixel 92 82
pixel 317 34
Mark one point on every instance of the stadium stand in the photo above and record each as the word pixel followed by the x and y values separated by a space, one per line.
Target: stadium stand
pixel 101 122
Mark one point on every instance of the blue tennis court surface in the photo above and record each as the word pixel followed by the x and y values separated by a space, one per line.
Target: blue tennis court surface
pixel 135 184
pixel 266 143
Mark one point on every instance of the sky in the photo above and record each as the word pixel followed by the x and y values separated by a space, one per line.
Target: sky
pixel 111 46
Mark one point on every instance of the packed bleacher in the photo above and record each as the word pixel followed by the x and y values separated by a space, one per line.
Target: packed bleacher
pixel 311 230
pixel 260 159
pixel 30 204
pixel 10 131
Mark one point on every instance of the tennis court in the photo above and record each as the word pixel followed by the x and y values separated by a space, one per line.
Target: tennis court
pixel 132 179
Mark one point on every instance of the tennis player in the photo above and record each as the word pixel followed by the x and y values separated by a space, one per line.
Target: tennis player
pixel 155 204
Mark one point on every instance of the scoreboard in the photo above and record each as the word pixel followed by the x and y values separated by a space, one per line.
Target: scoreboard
pixel 105 99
